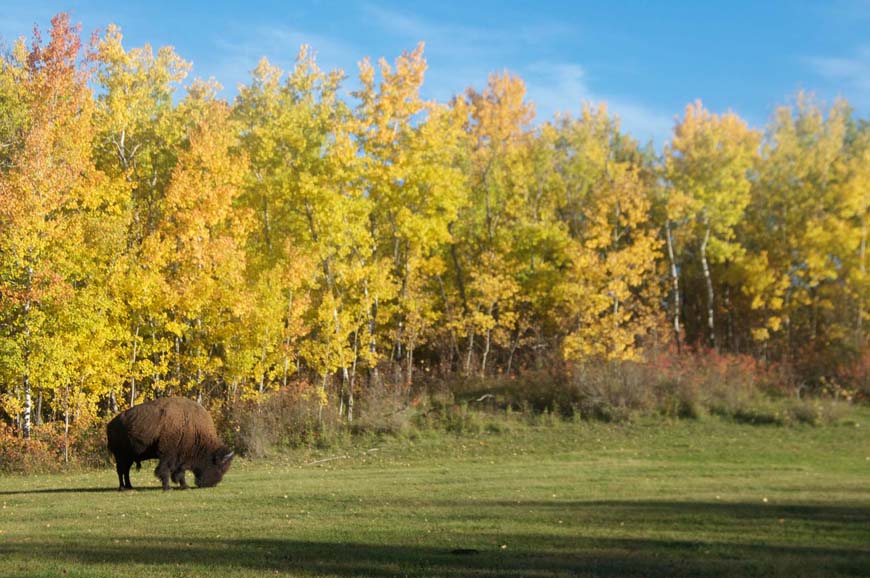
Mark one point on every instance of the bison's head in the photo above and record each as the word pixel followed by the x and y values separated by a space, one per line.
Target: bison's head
pixel 213 472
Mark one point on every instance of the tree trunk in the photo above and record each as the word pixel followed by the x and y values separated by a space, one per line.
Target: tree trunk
pixel 345 383
pixel 729 332
pixel 320 401
pixel 286 367
pixel 374 377
pixel 287 342
pixel 156 378
pixel 66 424
pixel 28 402
pixel 540 345
pixel 455 354
pixel 398 353
pixel 710 296
pixel 486 345
pixel 344 375
pixel 859 323
pixel 352 379
pixel 38 419
pixel 460 283
pixel 177 361
pixel 675 286
pixel 468 354
pixel 515 342
pixel 133 367
pixel 262 383
pixel 267 225
pixel 28 406
pixel 615 312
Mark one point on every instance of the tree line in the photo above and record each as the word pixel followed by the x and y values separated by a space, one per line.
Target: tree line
pixel 156 238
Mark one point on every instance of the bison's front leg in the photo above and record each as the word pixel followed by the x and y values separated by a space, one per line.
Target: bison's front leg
pixel 123 469
pixel 178 478
pixel 163 471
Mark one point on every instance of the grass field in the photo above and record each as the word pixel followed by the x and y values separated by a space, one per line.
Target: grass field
pixel 689 498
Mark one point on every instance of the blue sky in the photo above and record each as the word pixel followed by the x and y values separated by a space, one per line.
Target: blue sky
pixel 646 59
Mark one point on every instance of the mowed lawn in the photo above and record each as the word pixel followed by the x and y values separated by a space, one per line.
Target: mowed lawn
pixel 656 498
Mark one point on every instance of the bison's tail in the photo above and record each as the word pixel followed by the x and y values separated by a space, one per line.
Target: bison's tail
pixel 138 465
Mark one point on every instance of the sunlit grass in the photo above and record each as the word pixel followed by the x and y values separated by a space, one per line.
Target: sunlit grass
pixel 688 498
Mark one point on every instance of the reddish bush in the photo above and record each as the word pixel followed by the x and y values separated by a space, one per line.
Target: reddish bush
pixel 852 381
pixel 50 449
pixel 25 455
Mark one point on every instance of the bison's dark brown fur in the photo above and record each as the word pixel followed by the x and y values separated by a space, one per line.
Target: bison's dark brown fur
pixel 177 431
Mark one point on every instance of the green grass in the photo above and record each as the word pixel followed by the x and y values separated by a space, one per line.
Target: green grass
pixel 653 498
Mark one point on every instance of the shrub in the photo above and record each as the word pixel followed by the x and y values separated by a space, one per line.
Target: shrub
pixel 534 391
pixel 806 412
pixel 816 411
pixel 385 410
pixel 754 413
pixel 613 391
pixel 44 451
pixel 852 380
pixel 690 385
pixel 444 414
pixel 679 399
pixel 287 418
pixel 24 455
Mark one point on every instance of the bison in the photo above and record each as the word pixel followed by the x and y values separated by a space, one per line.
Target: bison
pixel 177 431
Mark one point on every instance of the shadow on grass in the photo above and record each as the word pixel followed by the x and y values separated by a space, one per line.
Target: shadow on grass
pixel 610 557
pixel 734 540
pixel 103 489
pixel 655 510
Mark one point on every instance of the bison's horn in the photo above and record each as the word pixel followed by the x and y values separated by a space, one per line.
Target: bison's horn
pixel 229 456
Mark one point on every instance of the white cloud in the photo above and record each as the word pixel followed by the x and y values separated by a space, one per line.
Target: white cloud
pixel 852 74
pixel 479 42
pixel 239 52
pixel 563 88
pixel 463 56
pixel 459 55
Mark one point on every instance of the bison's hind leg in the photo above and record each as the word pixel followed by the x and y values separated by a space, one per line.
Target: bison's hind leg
pixel 178 478
pixel 162 471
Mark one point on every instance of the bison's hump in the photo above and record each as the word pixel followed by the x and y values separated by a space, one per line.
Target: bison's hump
pixel 179 425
